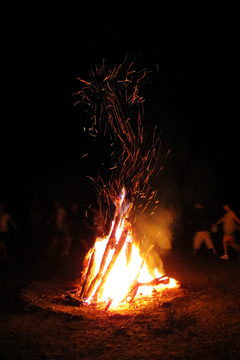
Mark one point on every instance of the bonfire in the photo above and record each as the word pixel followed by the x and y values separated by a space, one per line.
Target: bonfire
pixel 114 271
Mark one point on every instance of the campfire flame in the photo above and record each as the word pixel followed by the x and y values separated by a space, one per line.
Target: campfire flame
pixel 124 274
pixel 114 271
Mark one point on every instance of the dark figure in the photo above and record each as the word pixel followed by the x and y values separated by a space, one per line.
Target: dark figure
pixel 73 227
pixel 229 221
pixel 60 233
pixel 201 227
pixel 4 234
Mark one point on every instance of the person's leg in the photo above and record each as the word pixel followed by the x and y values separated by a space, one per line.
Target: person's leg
pixel 197 240
pixel 209 242
pixel 226 239
pixel 67 244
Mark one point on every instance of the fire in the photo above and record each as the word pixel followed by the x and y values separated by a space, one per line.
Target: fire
pixel 128 272
pixel 114 271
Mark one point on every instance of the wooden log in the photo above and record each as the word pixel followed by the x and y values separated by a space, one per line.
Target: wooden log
pixel 108 305
pixel 86 261
pixel 135 282
pixel 118 249
pixel 132 288
pixel 132 293
pixel 111 242
pixel 128 253
pixel 89 275
pixel 162 280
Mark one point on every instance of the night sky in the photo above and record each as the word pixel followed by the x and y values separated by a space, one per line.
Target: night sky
pixel 193 99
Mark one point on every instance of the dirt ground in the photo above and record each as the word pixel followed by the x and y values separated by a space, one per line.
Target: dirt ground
pixel 198 320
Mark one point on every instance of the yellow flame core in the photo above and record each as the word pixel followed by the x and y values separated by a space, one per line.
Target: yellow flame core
pixel 122 274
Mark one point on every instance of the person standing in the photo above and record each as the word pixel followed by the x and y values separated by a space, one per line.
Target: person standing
pixel 60 223
pixel 4 235
pixel 201 228
pixel 73 227
pixel 229 221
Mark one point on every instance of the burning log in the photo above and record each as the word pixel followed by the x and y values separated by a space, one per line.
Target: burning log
pixel 128 252
pixel 134 288
pixel 118 249
pixel 86 262
pixel 111 241
pixel 108 305
pixel 89 275
pixel 133 285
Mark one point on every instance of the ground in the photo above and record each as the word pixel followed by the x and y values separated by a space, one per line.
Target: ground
pixel 200 319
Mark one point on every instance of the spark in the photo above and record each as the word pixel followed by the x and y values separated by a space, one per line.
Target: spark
pixel 90 178
pixel 112 96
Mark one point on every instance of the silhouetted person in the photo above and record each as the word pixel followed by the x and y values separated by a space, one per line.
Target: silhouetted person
pixel 60 223
pixel 229 221
pixel 201 227
pixel 4 234
pixel 73 227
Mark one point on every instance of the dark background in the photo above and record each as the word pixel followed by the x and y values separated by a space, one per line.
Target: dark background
pixel 194 98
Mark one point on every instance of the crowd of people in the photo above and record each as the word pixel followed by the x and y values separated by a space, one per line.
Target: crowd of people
pixel 63 227
pixel 71 226
pixel 68 226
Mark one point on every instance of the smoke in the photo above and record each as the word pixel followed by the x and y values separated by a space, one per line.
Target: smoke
pixel 156 229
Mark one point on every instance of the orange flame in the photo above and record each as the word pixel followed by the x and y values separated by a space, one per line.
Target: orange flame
pixel 124 272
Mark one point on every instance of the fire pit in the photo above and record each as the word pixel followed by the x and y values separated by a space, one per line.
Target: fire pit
pixel 61 296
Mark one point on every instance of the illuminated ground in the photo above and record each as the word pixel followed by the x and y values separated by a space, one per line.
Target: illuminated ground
pixel 199 320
